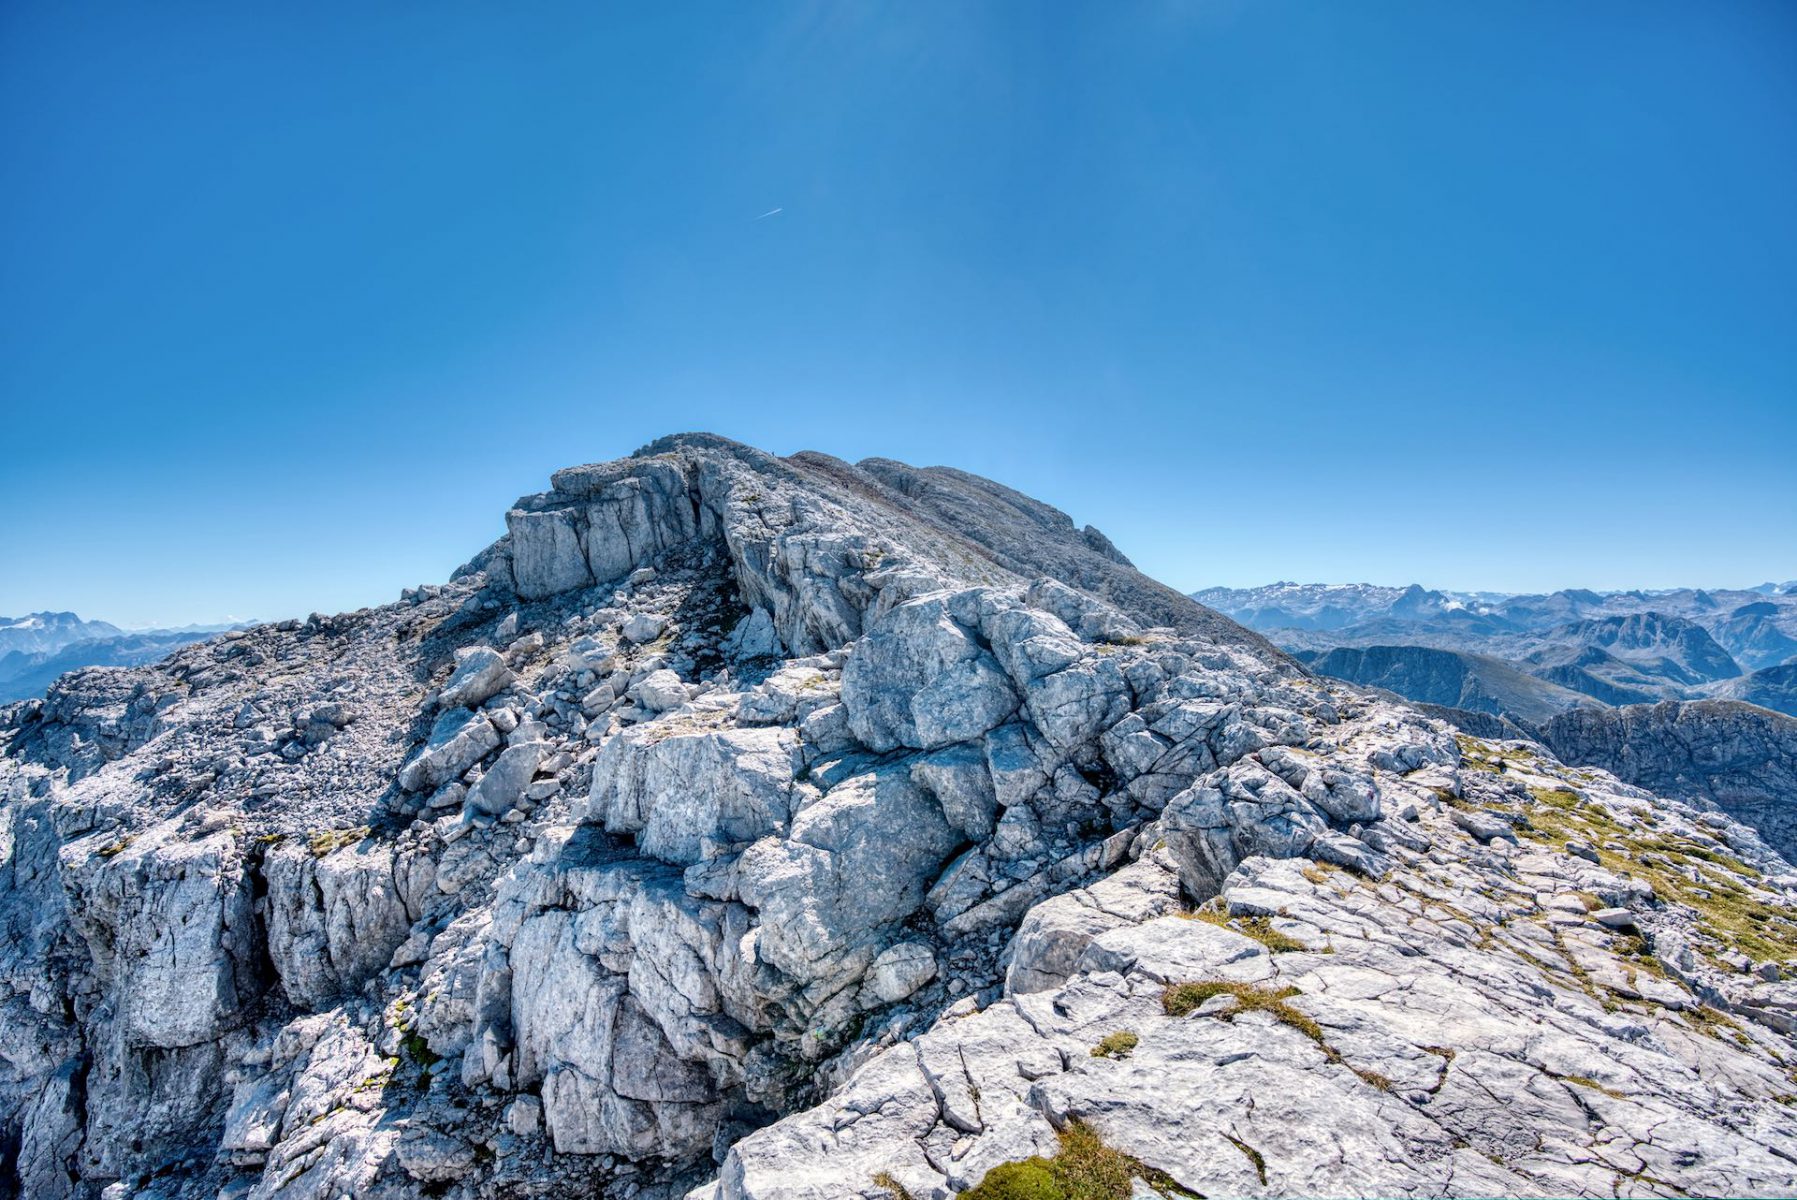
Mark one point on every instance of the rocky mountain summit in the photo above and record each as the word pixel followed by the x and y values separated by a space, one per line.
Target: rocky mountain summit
pixel 739 826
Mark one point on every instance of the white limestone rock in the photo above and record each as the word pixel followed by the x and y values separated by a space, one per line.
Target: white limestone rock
pixel 921 679
pixel 643 628
pixel 900 970
pixel 659 691
pixel 686 795
pixel 480 674
pixel 334 920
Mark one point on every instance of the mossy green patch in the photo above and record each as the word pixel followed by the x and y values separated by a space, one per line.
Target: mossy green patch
pixel 894 1188
pixel 1681 869
pixel 1586 1081
pixel 419 1050
pixel 1254 1156
pixel 1259 928
pixel 1180 999
pixel 1716 1024
pixel 1494 760
pixel 1116 1045
pixel 1083 1169
pixel 327 841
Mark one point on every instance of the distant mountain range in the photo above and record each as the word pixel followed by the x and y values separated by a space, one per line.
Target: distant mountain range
pixel 41 631
pixel 1531 656
pixel 38 647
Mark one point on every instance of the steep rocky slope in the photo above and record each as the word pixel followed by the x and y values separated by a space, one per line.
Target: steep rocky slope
pixel 1773 687
pixel 1447 678
pixel 1737 756
pixel 740 826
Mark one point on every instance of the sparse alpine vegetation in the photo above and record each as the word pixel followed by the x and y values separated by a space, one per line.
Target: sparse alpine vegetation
pixel 850 819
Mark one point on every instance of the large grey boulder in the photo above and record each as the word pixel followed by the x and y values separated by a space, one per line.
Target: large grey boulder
pixel 334 920
pixel 458 740
pixel 962 784
pixel 480 673
pixel 688 795
pixel 1052 939
pixel 503 785
pixel 921 679
pixel 610 1083
pixel 631 520
pixel 659 691
pixel 857 861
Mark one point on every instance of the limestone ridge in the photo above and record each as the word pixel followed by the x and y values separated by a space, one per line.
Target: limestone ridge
pixel 739 826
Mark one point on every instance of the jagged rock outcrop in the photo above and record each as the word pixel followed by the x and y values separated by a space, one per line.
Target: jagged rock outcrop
pixel 1774 688
pixel 768 827
pixel 1740 757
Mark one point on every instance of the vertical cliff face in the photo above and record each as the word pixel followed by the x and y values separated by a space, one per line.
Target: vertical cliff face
pixel 729 793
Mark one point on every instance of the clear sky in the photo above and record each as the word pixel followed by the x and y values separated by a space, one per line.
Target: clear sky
pixel 296 299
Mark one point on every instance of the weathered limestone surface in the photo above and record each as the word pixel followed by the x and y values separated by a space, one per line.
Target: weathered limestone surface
pixel 761 826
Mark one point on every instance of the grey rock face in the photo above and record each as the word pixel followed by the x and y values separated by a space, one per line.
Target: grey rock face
pixel 333 921
pixel 857 862
pixel 480 674
pixel 1741 758
pixel 816 821
pixel 920 679
pixel 167 919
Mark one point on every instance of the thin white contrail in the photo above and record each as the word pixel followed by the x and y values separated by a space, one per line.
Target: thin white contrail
pixel 772 212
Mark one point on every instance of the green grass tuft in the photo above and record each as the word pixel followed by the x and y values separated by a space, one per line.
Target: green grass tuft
pixel 1116 1045
pixel 327 841
pixel 1259 928
pixel 1084 1169
pixel 1179 999
pixel 1254 1156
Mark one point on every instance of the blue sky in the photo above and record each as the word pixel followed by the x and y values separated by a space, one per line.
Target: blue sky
pixel 295 299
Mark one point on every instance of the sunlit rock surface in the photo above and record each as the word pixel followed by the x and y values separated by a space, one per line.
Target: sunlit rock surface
pixel 740 826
